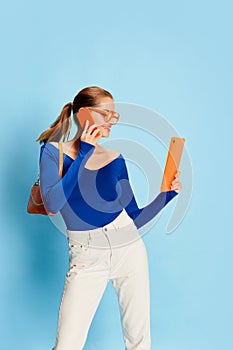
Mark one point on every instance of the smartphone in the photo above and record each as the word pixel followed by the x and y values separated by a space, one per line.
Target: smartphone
pixel 83 115
pixel 172 163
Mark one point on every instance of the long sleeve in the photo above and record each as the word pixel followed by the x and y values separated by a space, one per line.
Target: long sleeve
pixel 141 215
pixel 55 190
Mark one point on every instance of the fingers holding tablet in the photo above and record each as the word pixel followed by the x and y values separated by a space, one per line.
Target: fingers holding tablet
pixel 171 180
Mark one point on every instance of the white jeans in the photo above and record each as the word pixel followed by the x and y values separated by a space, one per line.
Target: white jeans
pixel 114 252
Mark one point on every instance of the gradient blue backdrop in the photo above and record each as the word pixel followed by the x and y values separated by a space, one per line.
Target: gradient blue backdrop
pixel 174 57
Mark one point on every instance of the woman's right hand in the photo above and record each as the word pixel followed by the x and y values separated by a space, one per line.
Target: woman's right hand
pixel 90 136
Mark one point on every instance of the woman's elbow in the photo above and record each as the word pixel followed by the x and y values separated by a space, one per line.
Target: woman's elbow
pixel 51 206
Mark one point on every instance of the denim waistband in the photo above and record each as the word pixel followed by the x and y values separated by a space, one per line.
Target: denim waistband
pixel 120 232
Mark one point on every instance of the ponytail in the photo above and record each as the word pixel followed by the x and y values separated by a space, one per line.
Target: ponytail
pixel 60 128
pixel 88 96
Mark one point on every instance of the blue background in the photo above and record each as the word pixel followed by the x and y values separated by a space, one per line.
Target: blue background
pixel 174 57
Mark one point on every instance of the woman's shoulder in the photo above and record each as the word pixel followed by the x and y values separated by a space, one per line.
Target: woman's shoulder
pixel 113 154
pixel 50 148
pixel 52 143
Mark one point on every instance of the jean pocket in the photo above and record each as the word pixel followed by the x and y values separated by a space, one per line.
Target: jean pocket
pixel 81 256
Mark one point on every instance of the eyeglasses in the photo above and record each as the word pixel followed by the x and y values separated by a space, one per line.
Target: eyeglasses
pixel 109 116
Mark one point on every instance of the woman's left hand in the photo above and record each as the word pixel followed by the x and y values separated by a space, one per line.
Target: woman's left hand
pixel 176 184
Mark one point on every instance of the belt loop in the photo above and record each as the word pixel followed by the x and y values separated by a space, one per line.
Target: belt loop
pixel 115 226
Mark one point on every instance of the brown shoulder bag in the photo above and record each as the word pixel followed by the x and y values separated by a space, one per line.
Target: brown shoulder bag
pixel 35 203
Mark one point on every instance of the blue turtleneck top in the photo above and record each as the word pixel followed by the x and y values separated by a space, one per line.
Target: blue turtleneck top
pixel 88 199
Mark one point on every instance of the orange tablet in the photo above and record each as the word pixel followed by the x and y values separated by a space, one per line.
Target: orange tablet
pixel 173 162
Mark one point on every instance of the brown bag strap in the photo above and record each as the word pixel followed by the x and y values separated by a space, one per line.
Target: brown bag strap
pixel 60 159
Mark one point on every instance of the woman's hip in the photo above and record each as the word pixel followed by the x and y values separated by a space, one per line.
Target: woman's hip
pixel 121 232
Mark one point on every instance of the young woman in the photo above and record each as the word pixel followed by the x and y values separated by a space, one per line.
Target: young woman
pixel 96 201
